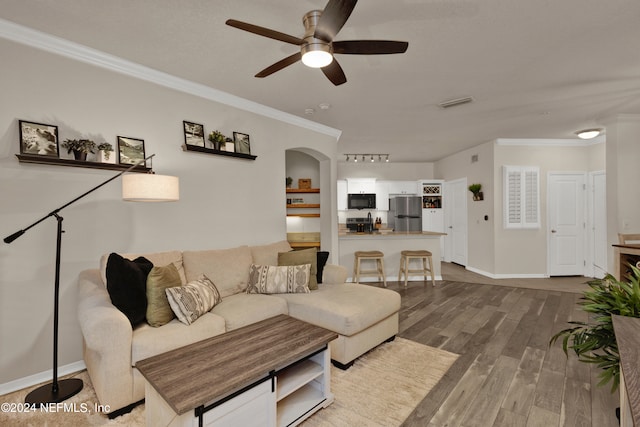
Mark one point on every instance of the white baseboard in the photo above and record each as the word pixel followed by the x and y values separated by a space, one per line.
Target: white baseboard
pixel 41 377
pixel 506 276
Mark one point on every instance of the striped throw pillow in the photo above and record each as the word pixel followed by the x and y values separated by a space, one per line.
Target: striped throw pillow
pixel 194 299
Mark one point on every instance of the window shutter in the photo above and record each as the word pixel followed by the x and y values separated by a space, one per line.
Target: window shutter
pixel 521 197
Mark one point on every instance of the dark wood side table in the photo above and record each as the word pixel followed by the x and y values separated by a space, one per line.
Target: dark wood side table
pixel 625 254
pixel 274 372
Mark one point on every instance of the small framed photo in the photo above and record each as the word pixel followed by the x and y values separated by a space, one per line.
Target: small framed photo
pixel 130 150
pixel 242 144
pixel 193 134
pixel 38 139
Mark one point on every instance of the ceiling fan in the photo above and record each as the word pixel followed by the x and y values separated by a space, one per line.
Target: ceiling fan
pixel 317 46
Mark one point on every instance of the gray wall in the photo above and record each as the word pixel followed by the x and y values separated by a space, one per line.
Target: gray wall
pixel 224 202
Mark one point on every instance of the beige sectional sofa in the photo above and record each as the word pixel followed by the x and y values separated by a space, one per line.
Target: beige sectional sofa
pixel 362 316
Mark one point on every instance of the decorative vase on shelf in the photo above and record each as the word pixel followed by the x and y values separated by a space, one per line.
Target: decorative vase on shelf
pixel 106 154
pixel 80 155
pixel 106 157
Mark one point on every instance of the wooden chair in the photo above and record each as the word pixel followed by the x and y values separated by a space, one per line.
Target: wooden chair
pixel 405 260
pixel 376 256
pixel 624 239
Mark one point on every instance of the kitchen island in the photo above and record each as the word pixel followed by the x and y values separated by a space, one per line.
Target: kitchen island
pixel 391 243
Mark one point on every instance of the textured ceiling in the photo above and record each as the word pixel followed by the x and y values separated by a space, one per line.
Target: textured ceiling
pixel 536 69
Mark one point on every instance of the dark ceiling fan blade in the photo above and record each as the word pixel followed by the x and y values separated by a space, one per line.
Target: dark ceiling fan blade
pixel 369 47
pixel 280 65
pixel 334 73
pixel 333 18
pixel 265 32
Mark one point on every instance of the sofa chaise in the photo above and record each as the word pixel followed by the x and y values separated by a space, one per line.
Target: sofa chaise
pixel 362 316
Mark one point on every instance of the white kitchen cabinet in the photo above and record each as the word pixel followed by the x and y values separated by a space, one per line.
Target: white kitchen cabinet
pixel 433 220
pixel 342 194
pixel 403 187
pixel 361 185
pixel 382 195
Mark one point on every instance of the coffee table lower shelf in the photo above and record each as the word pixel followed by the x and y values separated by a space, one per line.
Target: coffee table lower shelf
pixel 273 373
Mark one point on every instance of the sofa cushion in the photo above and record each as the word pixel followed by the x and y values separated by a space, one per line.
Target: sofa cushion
pixel 194 299
pixel 227 268
pixel 343 308
pixel 301 257
pixel 268 254
pixel 272 279
pixel 158 309
pixel 244 309
pixel 157 258
pixel 127 285
pixel 149 341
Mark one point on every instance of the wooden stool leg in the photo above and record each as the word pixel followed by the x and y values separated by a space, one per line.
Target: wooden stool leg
pixel 381 270
pixel 400 268
pixel 406 270
pixel 433 276
pixel 356 270
pixel 424 268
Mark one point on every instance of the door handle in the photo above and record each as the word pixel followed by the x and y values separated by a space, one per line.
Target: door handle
pixel 451 226
pixel 553 231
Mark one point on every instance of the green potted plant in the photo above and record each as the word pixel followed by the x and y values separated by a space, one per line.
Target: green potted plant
pixel 594 341
pixel 476 190
pixel 79 147
pixel 217 138
pixel 105 149
pixel 289 181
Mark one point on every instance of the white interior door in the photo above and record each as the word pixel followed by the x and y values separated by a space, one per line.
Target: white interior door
pixel 598 209
pixel 566 224
pixel 455 206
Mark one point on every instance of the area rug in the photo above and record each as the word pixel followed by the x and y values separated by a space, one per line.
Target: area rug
pixel 380 389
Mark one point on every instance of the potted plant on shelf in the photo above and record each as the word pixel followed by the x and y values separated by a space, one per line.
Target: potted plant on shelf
pixel 217 139
pixel 476 190
pixel 79 147
pixel 594 341
pixel 289 181
pixel 104 153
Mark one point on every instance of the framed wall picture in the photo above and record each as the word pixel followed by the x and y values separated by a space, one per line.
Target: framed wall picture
pixel 242 144
pixel 193 134
pixel 130 150
pixel 38 139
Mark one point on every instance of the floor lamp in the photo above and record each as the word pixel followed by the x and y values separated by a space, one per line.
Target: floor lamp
pixel 135 187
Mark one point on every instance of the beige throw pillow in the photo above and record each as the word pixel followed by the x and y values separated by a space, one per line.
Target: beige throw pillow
pixel 271 279
pixel 301 257
pixel 193 300
pixel 158 308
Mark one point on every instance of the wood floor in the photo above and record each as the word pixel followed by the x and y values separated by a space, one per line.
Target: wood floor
pixel 506 374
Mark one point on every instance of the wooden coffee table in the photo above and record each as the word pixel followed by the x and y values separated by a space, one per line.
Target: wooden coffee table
pixel 272 373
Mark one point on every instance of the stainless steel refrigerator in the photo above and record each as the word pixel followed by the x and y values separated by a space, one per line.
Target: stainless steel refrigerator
pixel 405 213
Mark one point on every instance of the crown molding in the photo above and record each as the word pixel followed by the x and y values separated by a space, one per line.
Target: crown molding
pixel 541 142
pixel 52 44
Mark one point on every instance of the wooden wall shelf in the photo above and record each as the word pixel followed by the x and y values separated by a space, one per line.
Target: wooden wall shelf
pixel 217 152
pixel 310 215
pixel 303 190
pixel 303 205
pixel 45 160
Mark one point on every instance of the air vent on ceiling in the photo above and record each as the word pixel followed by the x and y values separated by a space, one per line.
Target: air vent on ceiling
pixel 455 102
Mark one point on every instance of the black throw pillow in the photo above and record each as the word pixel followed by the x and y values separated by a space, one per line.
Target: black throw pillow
pixel 127 286
pixel 322 258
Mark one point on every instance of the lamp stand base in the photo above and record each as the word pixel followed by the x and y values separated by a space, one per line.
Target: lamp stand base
pixel 45 394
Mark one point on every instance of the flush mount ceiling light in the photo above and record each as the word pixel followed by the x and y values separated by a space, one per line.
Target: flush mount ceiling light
pixel 588 133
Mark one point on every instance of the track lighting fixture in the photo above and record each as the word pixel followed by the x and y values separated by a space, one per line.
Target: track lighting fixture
pixel 372 157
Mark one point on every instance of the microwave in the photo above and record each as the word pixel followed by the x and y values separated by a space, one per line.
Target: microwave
pixel 361 201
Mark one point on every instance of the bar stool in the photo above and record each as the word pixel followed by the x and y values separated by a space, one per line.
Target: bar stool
pixel 405 259
pixel 376 256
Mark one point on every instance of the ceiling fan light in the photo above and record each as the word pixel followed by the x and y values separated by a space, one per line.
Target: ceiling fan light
pixel 588 133
pixel 316 55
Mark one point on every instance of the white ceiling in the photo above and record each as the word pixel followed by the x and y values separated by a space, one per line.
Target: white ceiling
pixel 536 69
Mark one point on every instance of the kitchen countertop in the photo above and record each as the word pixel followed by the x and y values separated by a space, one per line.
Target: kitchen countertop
pixel 342 234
